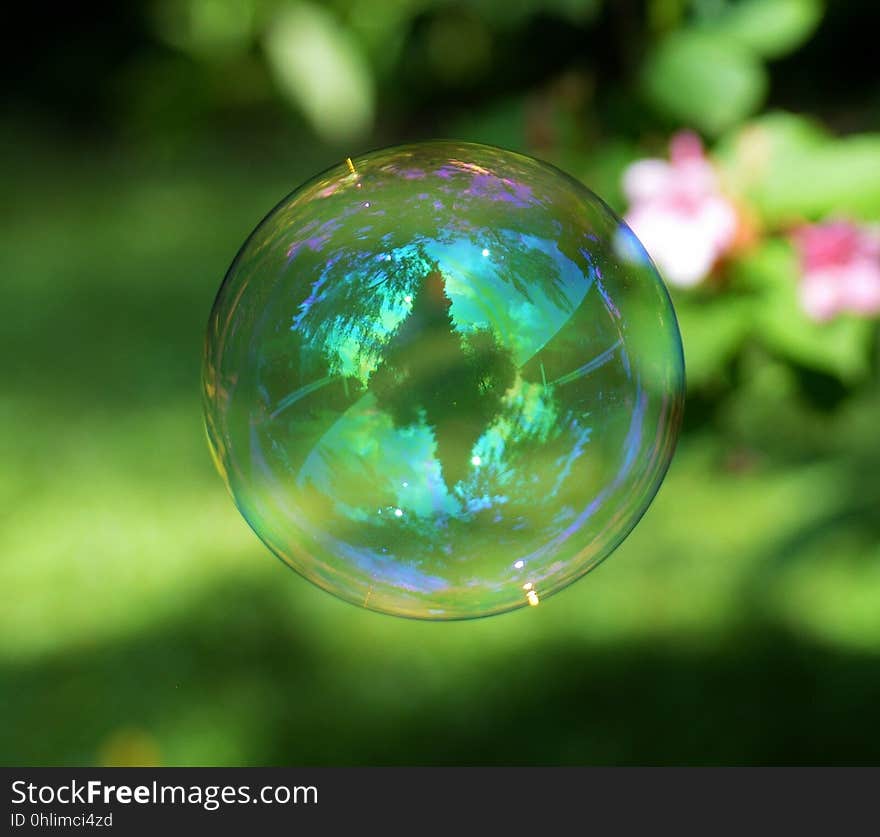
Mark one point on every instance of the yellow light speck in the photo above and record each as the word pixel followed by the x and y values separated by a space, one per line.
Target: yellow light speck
pixel 532 598
pixel 350 165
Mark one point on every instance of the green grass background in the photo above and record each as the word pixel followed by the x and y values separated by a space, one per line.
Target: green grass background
pixel 143 622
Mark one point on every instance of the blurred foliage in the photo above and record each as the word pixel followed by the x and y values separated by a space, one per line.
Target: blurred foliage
pixel 790 169
pixel 322 70
pixel 704 79
pixel 143 623
pixel 709 71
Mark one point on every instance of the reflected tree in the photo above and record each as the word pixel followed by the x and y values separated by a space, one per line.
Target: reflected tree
pixel 454 384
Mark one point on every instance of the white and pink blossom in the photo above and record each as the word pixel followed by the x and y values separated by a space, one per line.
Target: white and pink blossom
pixel 679 213
pixel 840 269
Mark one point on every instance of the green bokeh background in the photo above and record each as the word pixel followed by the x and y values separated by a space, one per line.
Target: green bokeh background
pixel 141 622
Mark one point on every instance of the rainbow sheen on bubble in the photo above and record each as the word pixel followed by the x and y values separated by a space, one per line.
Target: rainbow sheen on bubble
pixel 442 380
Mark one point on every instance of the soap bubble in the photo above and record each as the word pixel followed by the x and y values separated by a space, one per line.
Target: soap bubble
pixel 442 380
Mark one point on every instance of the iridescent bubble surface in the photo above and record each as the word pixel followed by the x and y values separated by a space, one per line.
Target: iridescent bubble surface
pixel 442 380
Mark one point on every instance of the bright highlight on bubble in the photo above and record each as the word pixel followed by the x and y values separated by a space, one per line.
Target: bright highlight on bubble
pixel 442 380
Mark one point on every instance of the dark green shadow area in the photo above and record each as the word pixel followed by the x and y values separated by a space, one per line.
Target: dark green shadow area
pixel 239 667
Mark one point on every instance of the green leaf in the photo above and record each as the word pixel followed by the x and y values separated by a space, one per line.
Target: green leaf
pixel 712 332
pixel 789 170
pixel 840 347
pixel 774 133
pixel 769 27
pixel 319 66
pixel 841 177
pixel 706 81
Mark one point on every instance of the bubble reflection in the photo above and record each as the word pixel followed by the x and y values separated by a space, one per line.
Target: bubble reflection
pixel 430 368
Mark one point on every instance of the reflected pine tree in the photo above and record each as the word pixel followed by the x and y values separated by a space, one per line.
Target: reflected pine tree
pixel 453 383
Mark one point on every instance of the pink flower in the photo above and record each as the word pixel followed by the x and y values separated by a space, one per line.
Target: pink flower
pixel 840 265
pixel 679 213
